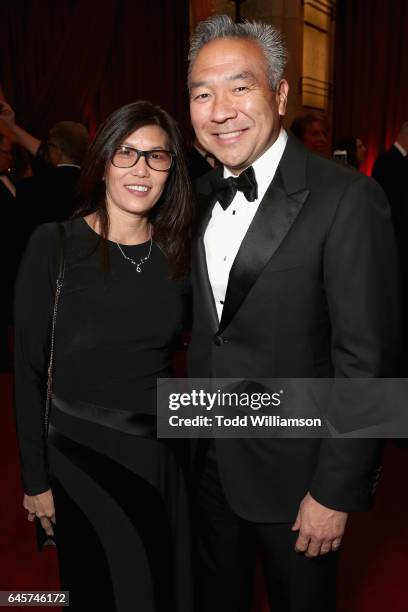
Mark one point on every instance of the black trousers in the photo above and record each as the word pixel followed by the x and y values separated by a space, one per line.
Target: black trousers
pixel 226 549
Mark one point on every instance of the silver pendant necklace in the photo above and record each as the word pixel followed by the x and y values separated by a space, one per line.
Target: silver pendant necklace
pixel 142 261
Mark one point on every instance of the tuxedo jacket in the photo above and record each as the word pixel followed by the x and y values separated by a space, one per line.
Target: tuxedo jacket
pixel 313 292
pixel 391 172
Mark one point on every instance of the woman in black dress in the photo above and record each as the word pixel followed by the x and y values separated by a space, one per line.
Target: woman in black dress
pixel 110 490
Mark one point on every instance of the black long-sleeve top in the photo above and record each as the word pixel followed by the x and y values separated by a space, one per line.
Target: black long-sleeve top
pixel 114 331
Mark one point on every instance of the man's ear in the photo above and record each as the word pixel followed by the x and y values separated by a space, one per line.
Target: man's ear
pixel 282 92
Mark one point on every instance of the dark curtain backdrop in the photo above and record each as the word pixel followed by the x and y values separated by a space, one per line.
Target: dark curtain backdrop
pixel 82 59
pixel 371 72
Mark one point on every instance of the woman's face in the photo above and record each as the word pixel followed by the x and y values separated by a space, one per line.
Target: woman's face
pixel 137 189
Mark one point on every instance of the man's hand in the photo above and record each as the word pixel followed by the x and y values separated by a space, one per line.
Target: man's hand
pixel 42 506
pixel 7 115
pixel 320 529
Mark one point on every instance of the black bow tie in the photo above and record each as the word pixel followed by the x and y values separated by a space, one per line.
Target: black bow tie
pixel 225 189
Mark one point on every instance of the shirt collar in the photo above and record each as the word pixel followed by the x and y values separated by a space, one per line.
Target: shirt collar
pixel 401 149
pixel 8 184
pixel 265 166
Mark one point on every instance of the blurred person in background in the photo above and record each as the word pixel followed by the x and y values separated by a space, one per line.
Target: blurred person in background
pixel 313 130
pixel 356 151
pixel 390 170
pixel 199 161
pixel 49 195
pixel 14 164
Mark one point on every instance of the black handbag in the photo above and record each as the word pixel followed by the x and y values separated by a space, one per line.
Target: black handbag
pixel 42 538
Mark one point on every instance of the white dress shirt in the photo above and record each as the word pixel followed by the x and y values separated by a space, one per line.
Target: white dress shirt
pixel 400 148
pixel 5 179
pixel 227 228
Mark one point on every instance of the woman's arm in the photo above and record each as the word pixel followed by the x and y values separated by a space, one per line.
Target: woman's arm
pixel 24 138
pixel 34 298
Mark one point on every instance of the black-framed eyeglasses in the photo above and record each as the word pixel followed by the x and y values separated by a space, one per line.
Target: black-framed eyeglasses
pixel 156 159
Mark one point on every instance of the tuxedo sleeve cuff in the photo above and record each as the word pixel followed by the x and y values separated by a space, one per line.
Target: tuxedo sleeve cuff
pixel 347 474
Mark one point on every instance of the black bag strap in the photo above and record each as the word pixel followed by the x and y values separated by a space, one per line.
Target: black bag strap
pixel 59 281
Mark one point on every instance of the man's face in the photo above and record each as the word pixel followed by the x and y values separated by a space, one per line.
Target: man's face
pixel 315 137
pixel 234 112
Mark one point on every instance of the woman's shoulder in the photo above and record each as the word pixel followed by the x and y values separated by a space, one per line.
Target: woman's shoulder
pixel 43 237
pixel 46 239
pixel 50 232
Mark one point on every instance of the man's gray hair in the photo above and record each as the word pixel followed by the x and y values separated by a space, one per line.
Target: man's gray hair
pixel 266 36
pixel 72 138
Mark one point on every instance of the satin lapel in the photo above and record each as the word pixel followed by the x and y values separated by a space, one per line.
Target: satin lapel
pixel 205 205
pixel 204 282
pixel 274 218
pixel 203 195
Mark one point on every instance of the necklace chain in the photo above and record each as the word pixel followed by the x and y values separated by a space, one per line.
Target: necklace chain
pixel 142 260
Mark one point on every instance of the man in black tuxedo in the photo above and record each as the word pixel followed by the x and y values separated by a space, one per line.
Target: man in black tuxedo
pixel 294 275
pixel 391 171
pixel 50 195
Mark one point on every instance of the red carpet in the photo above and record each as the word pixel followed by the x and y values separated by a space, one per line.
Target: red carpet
pixel 374 563
pixel 21 566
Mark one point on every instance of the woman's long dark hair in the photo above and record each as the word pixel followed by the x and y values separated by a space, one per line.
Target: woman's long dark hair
pixel 171 215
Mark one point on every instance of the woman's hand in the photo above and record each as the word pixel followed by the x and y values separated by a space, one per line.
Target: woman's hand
pixel 42 506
